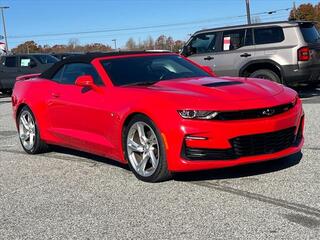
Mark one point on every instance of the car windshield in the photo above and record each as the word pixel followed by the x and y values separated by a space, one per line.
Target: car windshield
pixel 44 59
pixel 310 33
pixel 150 69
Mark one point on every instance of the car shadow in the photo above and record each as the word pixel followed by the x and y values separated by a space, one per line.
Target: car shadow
pixel 241 171
pixel 307 91
pixel 70 153
pixel 5 95
pixel 216 174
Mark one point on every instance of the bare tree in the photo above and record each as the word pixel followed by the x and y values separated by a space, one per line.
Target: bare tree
pixel 170 43
pixel 73 43
pixel 161 42
pixel 131 44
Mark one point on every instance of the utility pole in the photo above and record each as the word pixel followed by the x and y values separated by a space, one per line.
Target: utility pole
pixel 294 10
pixel 248 11
pixel 4 29
pixel 115 43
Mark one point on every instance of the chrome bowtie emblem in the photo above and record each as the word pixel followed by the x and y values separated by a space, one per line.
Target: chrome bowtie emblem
pixel 268 112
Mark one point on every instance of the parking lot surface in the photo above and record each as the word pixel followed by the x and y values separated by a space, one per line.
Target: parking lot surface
pixel 65 194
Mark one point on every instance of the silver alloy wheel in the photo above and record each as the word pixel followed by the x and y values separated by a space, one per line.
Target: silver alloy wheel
pixel 143 149
pixel 27 130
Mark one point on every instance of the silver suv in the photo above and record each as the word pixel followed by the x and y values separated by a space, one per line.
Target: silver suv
pixel 285 52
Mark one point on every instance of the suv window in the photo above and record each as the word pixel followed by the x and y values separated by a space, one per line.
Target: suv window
pixel 310 33
pixel 268 35
pixel 203 43
pixel 44 59
pixel 233 39
pixel 25 61
pixel 69 73
pixel 249 37
pixel 10 62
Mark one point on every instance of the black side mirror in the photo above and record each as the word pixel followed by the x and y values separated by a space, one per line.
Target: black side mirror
pixel 186 51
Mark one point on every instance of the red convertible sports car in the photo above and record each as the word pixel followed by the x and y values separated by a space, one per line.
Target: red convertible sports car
pixel 158 112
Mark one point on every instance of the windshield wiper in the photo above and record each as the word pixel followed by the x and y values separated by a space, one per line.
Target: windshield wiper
pixel 141 83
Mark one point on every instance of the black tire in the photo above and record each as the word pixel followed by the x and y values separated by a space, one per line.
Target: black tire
pixel 39 145
pixel 6 92
pixel 9 92
pixel 161 173
pixel 266 74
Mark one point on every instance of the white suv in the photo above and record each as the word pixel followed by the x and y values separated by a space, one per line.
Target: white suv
pixel 285 52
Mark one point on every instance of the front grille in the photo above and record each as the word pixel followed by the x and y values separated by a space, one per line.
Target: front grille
pixel 263 143
pixel 244 146
pixel 255 113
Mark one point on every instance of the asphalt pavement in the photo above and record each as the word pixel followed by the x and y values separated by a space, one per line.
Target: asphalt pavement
pixel 65 194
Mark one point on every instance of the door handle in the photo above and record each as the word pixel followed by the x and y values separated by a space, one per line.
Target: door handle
pixel 245 55
pixel 55 95
pixel 208 58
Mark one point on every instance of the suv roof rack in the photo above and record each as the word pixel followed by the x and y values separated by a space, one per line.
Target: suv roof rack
pixel 293 22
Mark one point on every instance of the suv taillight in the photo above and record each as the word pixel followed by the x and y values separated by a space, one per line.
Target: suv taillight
pixel 304 54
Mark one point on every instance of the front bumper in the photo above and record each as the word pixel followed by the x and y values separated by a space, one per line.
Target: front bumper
pixel 214 145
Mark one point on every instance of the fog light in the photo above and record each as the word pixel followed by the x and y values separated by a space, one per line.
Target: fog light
pixel 196 138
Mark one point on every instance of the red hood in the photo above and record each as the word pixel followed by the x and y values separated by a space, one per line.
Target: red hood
pixel 239 89
pixel 225 93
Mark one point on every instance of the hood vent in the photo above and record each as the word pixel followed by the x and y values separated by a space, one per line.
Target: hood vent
pixel 221 84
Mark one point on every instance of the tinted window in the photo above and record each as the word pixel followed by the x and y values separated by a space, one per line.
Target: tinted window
pixel 44 59
pixel 310 33
pixel 203 43
pixel 25 61
pixel 233 40
pixel 268 35
pixel 57 76
pixel 10 62
pixel 248 38
pixel 132 70
pixel 74 70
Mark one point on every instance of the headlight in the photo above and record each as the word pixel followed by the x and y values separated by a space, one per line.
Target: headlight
pixel 194 114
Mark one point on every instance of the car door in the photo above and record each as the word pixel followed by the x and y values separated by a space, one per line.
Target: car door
pixel 236 51
pixel 202 47
pixel 78 115
pixel 9 72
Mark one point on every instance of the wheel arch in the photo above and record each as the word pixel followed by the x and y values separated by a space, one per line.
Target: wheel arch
pixel 40 123
pixel 19 108
pixel 124 126
pixel 254 65
pixel 129 117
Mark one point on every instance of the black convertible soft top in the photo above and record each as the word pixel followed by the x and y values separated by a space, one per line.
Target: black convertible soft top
pixel 88 57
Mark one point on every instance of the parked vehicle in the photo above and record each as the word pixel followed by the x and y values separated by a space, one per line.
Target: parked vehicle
pixel 62 56
pixel 158 112
pixel 284 52
pixel 12 66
